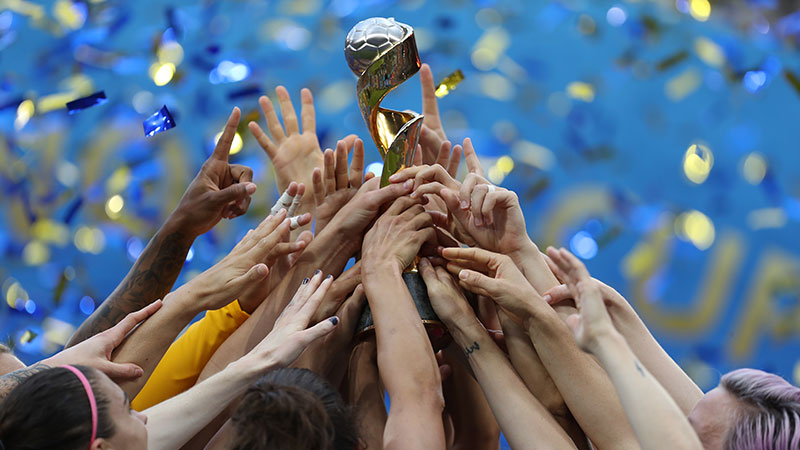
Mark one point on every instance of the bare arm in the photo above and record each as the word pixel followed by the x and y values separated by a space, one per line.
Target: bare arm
pixel 655 417
pixel 646 348
pixel 219 190
pixel 366 393
pixel 406 362
pixel 522 418
pixel 583 384
pixel 173 422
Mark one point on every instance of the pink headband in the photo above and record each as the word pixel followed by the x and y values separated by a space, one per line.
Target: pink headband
pixel 92 403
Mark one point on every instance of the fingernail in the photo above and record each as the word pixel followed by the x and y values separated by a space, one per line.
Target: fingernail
pixel 393 177
pixel 262 270
pixel 139 372
pixel 478 222
pixel 414 194
pixel 317 272
pixel 462 274
pixel 547 298
pixel 305 280
pixel 464 204
pixel 250 188
pixel 408 184
pixel 329 277
pixel 334 320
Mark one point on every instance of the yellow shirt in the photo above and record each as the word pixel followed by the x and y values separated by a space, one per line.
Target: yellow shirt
pixel 184 360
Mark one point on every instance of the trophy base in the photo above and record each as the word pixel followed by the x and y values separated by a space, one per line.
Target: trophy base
pixel 437 333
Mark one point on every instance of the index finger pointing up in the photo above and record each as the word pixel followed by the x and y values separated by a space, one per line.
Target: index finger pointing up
pixel 223 147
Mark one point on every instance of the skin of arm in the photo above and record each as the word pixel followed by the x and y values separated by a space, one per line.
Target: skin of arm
pixel 643 344
pixel 212 289
pixel 93 352
pixel 474 424
pixel 406 362
pixel 657 420
pixel 521 417
pixel 365 393
pixel 220 190
pixel 583 384
pixel 173 422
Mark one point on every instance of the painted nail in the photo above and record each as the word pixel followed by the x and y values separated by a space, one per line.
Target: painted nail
pixel 317 272
pixel 329 277
pixel 305 280
pixel 334 320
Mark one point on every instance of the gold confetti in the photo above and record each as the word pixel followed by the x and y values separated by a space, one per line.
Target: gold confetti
pixel 449 83
pixel 27 336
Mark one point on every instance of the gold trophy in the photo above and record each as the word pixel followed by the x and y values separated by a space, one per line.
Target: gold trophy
pixel 383 54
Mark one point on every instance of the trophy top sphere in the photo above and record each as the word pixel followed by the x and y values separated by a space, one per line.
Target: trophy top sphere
pixel 369 39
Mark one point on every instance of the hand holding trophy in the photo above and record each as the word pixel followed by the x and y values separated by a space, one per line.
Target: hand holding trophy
pixel 383 54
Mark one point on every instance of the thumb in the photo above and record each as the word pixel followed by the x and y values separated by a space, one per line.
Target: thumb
pixel 389 193
pixel 124 371
pixel 236 191
pixel 557 294
pixel 255 274
pixel 451 200
pixel 319 330
pixel 478 282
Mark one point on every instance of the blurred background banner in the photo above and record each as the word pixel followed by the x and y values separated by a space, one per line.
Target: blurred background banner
pixel 658 140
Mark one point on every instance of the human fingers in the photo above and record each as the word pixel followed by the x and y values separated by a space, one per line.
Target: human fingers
pixel 351 309
pixel 471 157
pixel 420 220
pixel 285 200
pixel 401 205
pixel 418 159
pixel 266 243
pixel 477 283
pixel 273 124
pixel 454 161
pixel 223 147
pixel 307 113
pixel 451 200
pixel 558 265
pixel 577 269
pixel 444 154
pixel 476 202
pixel 329 173
pixel 477 255
pixel 233 193
pixel 435 173
pixel 263 140
pixel 318 187
pixel 319 330
pixel 357 165
pixel 465 192
pixel 239 284
pixel 431 187
pixel 120 371
pixel 557 294
pixel 431 143
pixel 427 271
pixel 341 164
pixel 302 220
pixel 118 332
pixel 374 199
pixel 310 306
pixel 287 111
pixel 553 267
pixel 301 190
pixel 241 174
pixel 430 106
pixel 307 237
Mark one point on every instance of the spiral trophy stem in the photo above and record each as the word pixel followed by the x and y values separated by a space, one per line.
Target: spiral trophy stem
pixel 383 54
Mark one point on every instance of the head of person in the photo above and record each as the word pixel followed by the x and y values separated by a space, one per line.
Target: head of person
pixel 53 409
pixel 8 362
pixel 750 409
pixel 293 409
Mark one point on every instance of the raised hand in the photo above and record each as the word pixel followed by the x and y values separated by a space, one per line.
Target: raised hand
pixel 96 351
pixel 397 235
pixel 246 265
pixel 592 320
pixel 294 154
pixel 351 220
pixel 220 190
pixel 446 297
pixel 291 334
pixel 495 276
pixel 333 185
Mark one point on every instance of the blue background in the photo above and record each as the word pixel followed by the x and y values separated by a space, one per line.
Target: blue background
pixel 600 173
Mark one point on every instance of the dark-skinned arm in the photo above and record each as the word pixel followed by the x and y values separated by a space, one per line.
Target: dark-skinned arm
pixel 220 190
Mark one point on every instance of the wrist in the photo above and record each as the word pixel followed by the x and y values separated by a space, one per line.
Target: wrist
pixel 373 267
pixel 522 251
pixel 604 342
pixel 188 299
pixel 178 226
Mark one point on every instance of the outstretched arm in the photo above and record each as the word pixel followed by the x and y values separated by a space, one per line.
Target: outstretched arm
pixel 220 190
pixel 406 362
pixel 521 417
pixel 173 422
pixel 644 345
pixel 654 415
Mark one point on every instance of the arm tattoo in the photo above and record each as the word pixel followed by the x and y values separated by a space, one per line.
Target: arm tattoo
pixel 638 367
pixel 150 278
pixel 472 348
pixel 11 380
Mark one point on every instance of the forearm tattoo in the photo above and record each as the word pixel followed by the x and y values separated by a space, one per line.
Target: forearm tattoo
pixel 472 348
pixel 11 380
pixel 638 367
pixel 150 278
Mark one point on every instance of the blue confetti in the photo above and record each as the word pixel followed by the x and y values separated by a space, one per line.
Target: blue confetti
pixel 160 121
pixel 98 98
